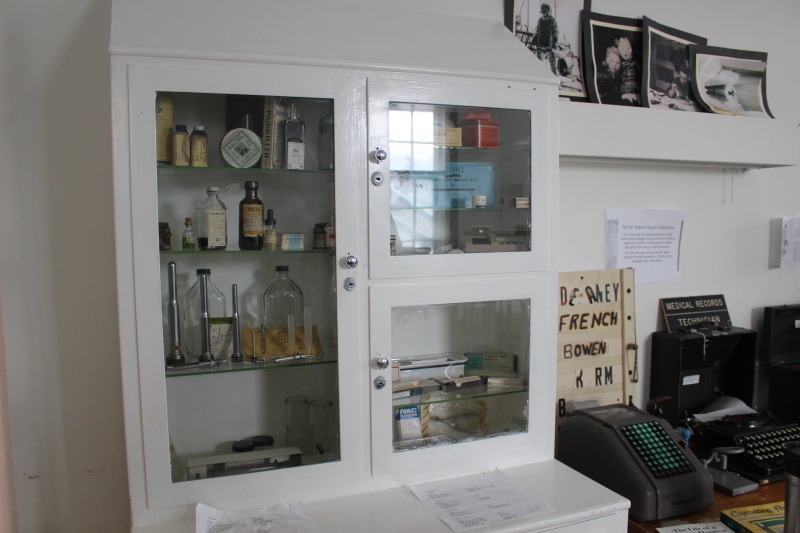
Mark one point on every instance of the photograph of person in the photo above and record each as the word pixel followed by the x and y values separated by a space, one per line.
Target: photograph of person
pixel 613 49
pixel 667 80
pixel 730 82
pixel 551 29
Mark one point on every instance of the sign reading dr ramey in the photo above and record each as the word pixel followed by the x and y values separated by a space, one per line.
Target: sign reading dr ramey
pixel 695 312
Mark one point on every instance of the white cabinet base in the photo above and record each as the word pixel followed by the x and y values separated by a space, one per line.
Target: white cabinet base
pixel 579 506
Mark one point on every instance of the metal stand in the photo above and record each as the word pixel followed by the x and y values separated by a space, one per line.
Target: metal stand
pixel 725 481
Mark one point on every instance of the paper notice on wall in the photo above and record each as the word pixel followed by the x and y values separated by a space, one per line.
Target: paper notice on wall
pixel 647 240
pixel 790 242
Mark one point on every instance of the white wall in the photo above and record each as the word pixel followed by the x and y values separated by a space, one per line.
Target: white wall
pixel 56 236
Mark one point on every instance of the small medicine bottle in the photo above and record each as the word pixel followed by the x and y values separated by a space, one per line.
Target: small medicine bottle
pixel 270 233
pixel 164 237
pixel 320 236
pixel 251 213
pixel 189 239
pixel 198 142
pixel 180 146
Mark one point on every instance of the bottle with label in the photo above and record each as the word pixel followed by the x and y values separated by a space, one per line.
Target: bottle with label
pixel 320 236
pixel 330 235
pixel 164 124
pixel 198 143
pixel 180 146
pixel 203 302
pixel 295 138
pixel 189 239
pixel 164 237
pixel 326 140
pixel 212 217
pixel 241 147
pixel 283 307
pixel 270 233
pixel 251 213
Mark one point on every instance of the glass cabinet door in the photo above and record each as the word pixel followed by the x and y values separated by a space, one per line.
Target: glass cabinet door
pixel 253 388
pixel 451 188
pixel 240 331
pixel 453 367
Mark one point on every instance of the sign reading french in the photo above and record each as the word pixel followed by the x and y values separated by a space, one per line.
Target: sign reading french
pixel 597 352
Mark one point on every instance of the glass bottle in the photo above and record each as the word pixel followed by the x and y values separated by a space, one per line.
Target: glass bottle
pixel 212 219
pixel 164 237
pixel 164 124
pixel 320 236
pixel 326 140
pixel 180 146
pixel 196 319
pixel 198 142
pixel 270 233
pixel 251 213
pixel 188 240
pixel 295 138
pixel 283 307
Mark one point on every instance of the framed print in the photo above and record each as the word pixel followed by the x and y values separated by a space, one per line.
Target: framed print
pixel 551 29
pixel 613 52
pixel 666 79
pixel 730 82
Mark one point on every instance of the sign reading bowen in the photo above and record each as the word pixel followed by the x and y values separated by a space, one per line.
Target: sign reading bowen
pixel 695 312
pixel 597 351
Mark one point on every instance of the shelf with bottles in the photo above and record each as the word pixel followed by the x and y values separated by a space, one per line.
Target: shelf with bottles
pixel 246 133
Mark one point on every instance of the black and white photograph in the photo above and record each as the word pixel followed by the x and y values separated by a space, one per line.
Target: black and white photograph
pixel 729 81
pixel 667 81
pixel 613 52
pixel 551 29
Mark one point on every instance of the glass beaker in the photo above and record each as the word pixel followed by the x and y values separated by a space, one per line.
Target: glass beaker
pixel 298 424
pixel 324 431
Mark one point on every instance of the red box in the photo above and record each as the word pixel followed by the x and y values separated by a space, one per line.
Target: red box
pixel 478 113
pixel 480 132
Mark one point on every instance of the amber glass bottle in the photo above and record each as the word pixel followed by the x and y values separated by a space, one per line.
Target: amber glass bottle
pixel 251 218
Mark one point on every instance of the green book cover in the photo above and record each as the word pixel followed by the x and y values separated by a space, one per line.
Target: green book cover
pixel 755 518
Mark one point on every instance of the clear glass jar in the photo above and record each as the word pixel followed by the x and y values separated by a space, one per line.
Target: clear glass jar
pixel 196 327
pixel 283 310
pixel 298 424
pixel 212 222
pixel 324 431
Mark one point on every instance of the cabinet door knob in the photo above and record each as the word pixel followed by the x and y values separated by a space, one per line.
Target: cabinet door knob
pixel 351 261
pixel 382 363
pixel 380 155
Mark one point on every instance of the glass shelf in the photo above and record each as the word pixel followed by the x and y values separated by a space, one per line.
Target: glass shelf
pixel 318 251
pixel 468 209
pixel 228 367
pixel 474 393
pixel 182 170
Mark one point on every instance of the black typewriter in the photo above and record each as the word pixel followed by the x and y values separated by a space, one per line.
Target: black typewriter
pixel 761 437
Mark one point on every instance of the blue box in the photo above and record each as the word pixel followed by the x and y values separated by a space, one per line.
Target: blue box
pixel 451 187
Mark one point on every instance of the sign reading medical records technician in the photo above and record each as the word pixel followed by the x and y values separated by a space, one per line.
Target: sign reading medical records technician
pixel 647 240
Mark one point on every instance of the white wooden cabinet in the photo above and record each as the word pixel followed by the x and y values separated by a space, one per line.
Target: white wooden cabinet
pixel 443 248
